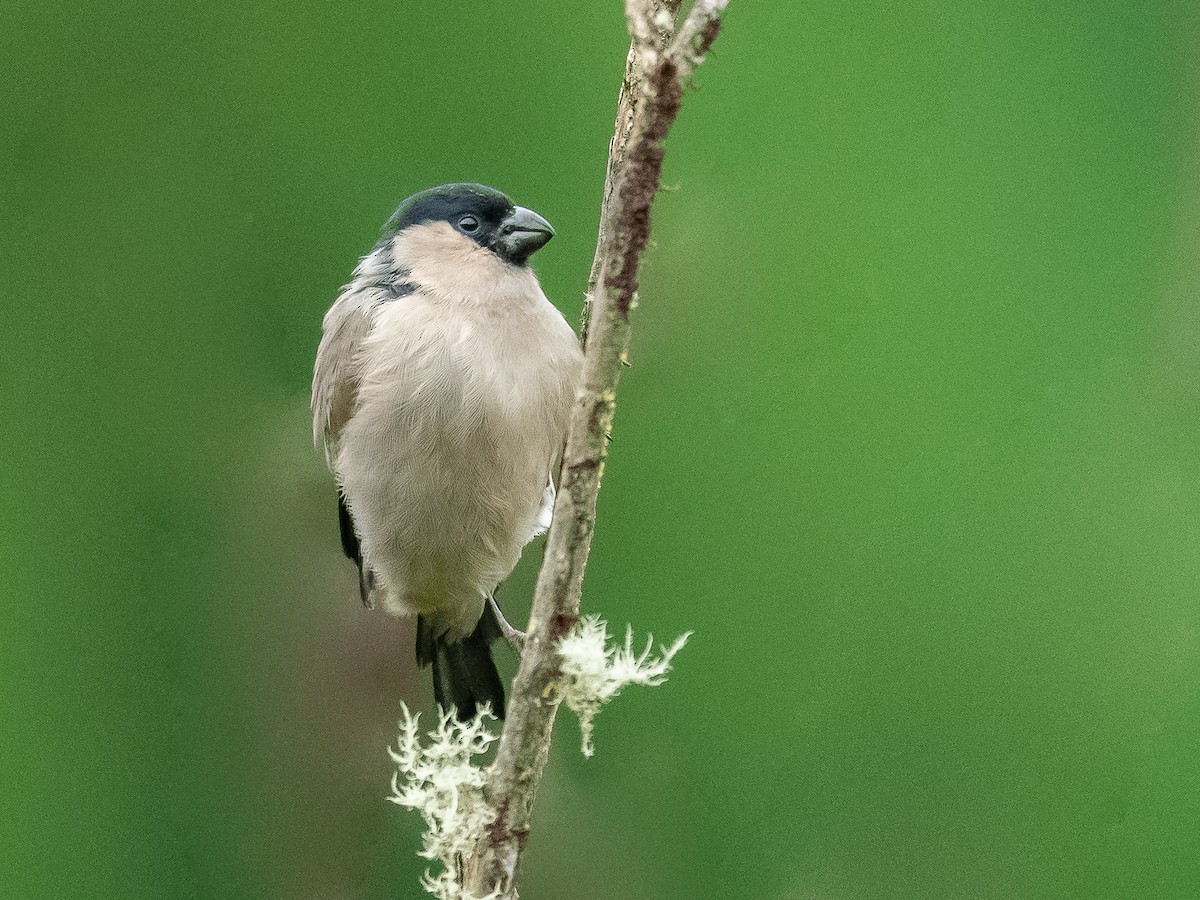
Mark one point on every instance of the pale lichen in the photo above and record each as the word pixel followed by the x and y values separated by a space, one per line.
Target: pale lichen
pixel 440 781
pixel 594 672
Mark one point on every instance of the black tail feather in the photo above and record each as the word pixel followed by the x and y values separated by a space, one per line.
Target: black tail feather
pixel 464 673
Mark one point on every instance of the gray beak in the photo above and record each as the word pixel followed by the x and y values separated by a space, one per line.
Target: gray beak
pixel 522 233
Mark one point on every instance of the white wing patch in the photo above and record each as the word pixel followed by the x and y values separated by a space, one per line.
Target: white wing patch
pixel 542 522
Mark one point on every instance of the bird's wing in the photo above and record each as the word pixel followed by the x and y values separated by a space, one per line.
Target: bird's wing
pixel 336 373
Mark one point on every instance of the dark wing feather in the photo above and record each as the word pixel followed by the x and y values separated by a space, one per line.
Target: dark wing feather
pixel 353 551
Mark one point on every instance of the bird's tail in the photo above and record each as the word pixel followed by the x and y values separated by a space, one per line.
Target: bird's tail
pixel 464 673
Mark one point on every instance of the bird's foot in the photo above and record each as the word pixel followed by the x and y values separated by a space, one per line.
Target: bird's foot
pixel 514 636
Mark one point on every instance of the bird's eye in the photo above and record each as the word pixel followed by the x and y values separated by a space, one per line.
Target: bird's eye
pixel 468 223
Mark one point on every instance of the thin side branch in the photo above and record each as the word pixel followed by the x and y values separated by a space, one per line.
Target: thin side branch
pixel 661 61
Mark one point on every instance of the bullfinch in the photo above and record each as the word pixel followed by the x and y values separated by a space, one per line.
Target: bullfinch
pixel 442 388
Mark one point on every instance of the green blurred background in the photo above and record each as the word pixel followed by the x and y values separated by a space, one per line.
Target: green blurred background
pixel 909 442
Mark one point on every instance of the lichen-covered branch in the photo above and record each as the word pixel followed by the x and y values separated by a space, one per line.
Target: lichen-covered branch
pixel 661 60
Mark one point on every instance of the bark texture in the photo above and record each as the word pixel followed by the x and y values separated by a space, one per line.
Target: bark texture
pixel 660 62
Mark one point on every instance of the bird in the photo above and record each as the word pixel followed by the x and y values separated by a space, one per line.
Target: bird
pixel 442 389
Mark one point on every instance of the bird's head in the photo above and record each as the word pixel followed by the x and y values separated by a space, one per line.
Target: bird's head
pixel 474 215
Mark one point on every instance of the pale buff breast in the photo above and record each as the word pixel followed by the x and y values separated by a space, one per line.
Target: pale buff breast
pixel 461 413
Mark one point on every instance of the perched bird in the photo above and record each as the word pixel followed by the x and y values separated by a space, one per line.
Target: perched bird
pixel 442 388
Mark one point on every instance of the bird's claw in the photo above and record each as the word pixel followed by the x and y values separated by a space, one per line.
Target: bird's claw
pixel 514 636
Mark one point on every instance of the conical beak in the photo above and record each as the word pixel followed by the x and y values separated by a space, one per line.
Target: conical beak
pixel 522 233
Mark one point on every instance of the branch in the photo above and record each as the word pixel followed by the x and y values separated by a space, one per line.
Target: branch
pixel 661 24
pixel 660 62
